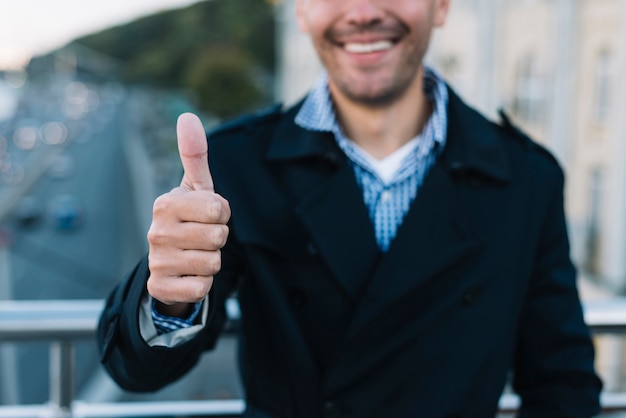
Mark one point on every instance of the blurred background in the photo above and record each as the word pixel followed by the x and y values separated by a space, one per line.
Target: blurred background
pixel 89 96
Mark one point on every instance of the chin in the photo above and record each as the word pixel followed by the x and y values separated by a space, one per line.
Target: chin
pixel 375 90
pixel 371 95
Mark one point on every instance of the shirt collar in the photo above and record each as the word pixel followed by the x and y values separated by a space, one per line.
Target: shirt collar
pixel 475 143
pixel 318 113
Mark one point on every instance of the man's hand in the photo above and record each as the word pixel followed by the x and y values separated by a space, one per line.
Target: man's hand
pixel 188 228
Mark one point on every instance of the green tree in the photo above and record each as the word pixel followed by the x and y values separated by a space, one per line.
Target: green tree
pixel 223 51
pixel 223 82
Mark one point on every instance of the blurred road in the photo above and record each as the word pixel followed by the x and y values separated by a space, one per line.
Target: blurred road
pixel 49 263
pixel 114 198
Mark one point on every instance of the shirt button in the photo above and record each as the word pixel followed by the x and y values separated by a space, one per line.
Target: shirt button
pixel 385 196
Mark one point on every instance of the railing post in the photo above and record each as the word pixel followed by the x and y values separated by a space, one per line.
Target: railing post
pixel 62 376
pixel 9 378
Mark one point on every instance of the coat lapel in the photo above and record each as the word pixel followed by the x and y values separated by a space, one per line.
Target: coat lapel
pixel 434 236
pixel 328 202
pixel 348 246
pixel 437 232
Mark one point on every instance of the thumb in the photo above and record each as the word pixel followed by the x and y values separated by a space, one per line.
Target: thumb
pixel 193 150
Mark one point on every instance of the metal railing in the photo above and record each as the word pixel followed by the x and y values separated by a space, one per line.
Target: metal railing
pixel 63 323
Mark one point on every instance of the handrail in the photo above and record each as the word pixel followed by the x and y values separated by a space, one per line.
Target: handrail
pixel 48 320
pixel 63 322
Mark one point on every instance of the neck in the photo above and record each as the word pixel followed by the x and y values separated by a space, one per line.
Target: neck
pixel 381 130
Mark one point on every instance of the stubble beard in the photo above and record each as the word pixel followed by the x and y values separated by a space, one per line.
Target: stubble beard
pixel 382 95
pixel 379 92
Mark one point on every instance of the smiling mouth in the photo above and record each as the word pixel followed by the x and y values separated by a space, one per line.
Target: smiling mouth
pixel 367 48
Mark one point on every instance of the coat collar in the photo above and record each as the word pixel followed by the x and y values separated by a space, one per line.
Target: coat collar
pixel 291 141
pixel 472 145
pixel 324 189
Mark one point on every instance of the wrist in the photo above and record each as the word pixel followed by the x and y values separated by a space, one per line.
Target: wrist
pixel 175 310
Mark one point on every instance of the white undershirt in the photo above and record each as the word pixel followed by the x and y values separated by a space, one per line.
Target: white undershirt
pixel 387 167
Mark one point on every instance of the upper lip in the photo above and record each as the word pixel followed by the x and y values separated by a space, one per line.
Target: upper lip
pixel 366 38
pixel 364 35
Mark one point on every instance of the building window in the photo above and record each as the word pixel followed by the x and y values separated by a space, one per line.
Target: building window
pixel 530 92
pixel 594 231
pixel 450 67
pixel 603 80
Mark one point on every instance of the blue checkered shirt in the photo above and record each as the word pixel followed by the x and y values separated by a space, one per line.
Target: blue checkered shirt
pixel 387 202
pixel 165 323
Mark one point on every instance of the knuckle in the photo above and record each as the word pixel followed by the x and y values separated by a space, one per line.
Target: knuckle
pixel 154 263
pixel 155 235
pixel 161 204
pixel 214 263
pixel 225 232
pixel 218 236
pixel 155 287
pixel 199 290
pixel 215 209
pixel 227 211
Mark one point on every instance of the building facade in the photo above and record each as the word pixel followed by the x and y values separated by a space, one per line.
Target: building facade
pixel 554 66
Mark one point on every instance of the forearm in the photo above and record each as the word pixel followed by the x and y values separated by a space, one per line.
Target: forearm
pixel 134 364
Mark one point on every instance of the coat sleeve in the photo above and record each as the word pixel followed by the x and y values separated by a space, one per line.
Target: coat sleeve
pixel 129 360
pixel 554 364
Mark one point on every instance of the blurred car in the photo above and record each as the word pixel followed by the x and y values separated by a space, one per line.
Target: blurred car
pixel 66 212
pixel 29 212
pixel 61 166
pixel 6 237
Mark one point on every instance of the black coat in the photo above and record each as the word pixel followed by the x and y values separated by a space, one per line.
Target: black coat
pixel 477 282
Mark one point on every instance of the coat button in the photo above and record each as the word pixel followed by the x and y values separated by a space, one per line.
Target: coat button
pixel 470 296
pixel 297 296
pixel 332 157
pixel 331 410
pixel 475 181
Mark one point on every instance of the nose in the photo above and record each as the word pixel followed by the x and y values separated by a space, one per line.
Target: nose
pixel 364 12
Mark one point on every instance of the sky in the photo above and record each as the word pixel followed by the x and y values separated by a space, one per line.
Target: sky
pixel 31 27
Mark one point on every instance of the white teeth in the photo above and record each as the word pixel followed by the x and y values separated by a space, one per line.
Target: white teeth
pixel 358 48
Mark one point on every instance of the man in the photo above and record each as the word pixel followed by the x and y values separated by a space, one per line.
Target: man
pixel 394 253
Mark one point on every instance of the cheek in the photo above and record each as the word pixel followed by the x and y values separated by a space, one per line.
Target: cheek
pixel 316 17
pixel 416 14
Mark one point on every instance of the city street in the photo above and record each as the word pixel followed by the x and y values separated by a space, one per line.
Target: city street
pixel 81 250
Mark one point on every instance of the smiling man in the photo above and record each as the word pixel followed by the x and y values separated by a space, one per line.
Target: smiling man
pixel 394 253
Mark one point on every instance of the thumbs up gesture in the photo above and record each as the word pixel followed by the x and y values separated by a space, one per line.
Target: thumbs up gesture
pixel 188 228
